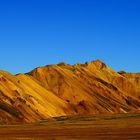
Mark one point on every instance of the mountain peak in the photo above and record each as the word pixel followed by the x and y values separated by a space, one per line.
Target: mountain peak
pixel 62 64
pixel 99 64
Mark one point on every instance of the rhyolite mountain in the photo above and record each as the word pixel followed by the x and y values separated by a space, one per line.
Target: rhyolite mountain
pixel 63 90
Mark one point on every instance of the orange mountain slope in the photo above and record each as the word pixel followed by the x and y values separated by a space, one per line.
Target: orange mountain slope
pixel 62 90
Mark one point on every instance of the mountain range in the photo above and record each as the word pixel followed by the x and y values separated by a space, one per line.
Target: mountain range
pixel 66 90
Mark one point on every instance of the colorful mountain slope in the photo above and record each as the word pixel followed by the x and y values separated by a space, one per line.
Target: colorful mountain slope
pixel 62 90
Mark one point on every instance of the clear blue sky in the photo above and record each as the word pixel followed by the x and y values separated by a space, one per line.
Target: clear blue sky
pixel 39 32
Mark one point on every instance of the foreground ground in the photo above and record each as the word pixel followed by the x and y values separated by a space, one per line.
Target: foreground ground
pixel 105 127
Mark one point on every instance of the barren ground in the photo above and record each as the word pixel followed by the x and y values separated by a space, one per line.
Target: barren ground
pixel 102 127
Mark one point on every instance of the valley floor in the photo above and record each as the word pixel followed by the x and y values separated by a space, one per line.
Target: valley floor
pixel 99 127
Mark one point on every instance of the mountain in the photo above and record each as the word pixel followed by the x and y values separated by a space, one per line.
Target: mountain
pixel 63 90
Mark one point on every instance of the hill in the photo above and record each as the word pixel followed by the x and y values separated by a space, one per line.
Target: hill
pixel 65 90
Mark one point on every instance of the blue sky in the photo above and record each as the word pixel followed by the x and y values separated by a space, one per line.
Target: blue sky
pixel 39 32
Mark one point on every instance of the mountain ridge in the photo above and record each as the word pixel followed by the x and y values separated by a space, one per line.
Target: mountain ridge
pixel 63 90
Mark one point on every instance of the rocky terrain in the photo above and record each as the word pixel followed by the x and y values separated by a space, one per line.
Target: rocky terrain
pixel 64 90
